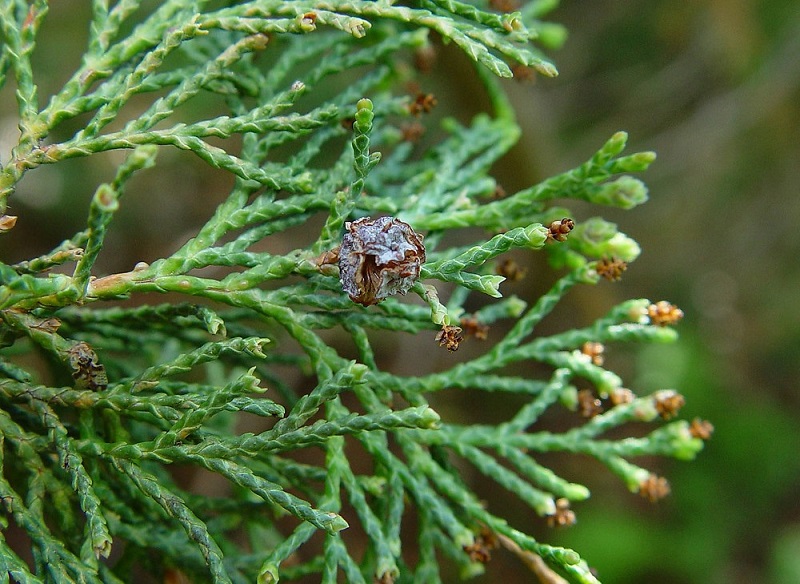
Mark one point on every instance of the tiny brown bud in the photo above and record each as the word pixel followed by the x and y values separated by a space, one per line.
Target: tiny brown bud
pixel 523 73
pixel 654 488
pixel 621 395
pixel 701 429
pixel 175 576
pixel 328 257
pixel 668 403
pixel 449 337
pixel 510 270
pixel 504 5
pixel 473 328
pixel 558 230
pixel 481 549
pixel 477 552
pixel 412 132
pixel 563 516
pixel 7 222
pixel 425 58
pixel 499 192
pixel 423 103
pixel 594 351
pixel 611 269
pixel 588 404
pixel 30 18
pixel 489 537
pixel 663 313
pixel 379 258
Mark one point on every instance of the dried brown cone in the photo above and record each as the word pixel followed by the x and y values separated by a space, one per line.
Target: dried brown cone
pixel 702 429
pixel 594 351
pixel 654 488
pixel 563 516
pixel 588 404
pixel 472 328
pixel 449 337
pixel 621 395
pixel 510 270
pixel 481 549
pixel 379 258
pixel 558 230
pixel 412 132
pixel 663 313
pixel 668 403
pixel 611 269
pixel 423 104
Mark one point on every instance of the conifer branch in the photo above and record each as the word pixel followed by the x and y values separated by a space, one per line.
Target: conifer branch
pixel 302 108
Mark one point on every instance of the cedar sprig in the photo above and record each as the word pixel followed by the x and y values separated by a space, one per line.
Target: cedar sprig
pixel 311 106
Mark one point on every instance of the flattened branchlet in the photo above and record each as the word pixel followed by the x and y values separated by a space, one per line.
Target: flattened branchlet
pixel 312 126
pixel 379 258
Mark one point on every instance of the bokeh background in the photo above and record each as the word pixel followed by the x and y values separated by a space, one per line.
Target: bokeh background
pixel 713 86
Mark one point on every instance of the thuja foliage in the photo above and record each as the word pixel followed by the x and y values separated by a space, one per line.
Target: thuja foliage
pixel 122 392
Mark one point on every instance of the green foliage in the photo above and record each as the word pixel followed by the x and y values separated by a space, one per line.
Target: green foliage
pixel 122 393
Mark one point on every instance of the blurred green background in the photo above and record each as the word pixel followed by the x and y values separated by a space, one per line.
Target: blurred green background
pixel 713 86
